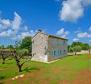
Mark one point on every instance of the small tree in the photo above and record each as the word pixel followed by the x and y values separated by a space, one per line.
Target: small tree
pixel 19 57
pixel 4 58
pixel 70 49
pixel 76 49
pixel 4 55
pixel 22 52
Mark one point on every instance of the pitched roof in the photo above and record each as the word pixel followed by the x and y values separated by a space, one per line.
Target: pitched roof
pixel 50 35
pixel 57 37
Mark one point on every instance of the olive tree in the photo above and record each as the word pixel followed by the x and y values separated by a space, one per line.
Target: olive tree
pixel 22 52
pixel 4 54
pixel 76 49
pixel 20 57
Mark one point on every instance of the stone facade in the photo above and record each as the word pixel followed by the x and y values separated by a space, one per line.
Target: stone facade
pixel 39 46
pixel 57 48
pixel 46 48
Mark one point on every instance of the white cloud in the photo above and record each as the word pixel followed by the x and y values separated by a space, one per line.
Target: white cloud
pixel 5 23
pixel 83 35
pixel 13 24
pixel 9 28
pixel 75 39
pixel 72 10
pixel 14 29
pixel 16 23
pixel 8 33
pixel 3 34
pixel 25 34
pixel 62 33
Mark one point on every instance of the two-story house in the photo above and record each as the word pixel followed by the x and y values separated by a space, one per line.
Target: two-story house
pixel 47 48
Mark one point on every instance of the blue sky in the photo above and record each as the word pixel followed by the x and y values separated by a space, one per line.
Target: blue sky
pixel 66 18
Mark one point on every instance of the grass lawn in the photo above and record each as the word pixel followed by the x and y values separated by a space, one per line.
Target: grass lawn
pixel 63 71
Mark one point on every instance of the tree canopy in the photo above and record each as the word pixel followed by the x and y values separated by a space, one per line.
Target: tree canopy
pixel 1 46
pixel 84 46
pixel 26 43
pixel 78 46
pixel 10 47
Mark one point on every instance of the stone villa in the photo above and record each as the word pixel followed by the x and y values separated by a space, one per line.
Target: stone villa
pixel 46 48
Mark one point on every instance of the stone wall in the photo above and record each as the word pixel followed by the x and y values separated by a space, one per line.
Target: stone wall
pixel 39 47
pixel 57 48
pixel 46 48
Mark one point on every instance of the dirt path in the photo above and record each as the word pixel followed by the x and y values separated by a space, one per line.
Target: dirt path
pixel 83 77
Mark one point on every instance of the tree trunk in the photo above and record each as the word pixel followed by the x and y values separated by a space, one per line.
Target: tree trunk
pixel 3 61
pixel 20 68
pixel 75 53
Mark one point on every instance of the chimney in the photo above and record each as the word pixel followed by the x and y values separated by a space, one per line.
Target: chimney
pixel 39 30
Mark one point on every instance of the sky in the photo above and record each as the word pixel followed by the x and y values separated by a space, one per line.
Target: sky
pixel 69 19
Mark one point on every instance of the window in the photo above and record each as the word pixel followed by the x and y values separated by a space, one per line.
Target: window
pixel 54 52
pixel 60 52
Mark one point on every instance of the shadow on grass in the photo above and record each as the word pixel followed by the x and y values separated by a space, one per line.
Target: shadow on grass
pixel 2 77
pixel 27 69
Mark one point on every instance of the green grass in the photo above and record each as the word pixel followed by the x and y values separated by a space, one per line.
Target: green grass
pixel 63 69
